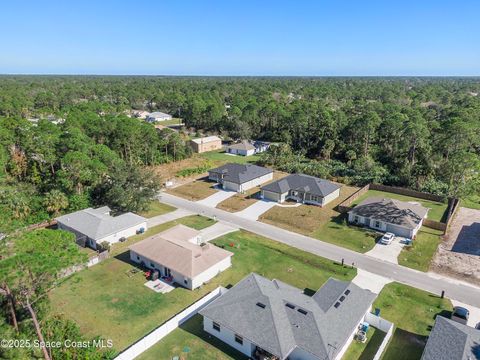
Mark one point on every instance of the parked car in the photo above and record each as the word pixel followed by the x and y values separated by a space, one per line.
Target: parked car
pixel 387 238
pixel 460 315
pixel 477 326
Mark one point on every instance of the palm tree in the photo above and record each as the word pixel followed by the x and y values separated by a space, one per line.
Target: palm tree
pixel 55 201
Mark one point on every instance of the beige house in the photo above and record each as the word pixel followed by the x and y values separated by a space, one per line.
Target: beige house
pixel 207 143
pixel 180 256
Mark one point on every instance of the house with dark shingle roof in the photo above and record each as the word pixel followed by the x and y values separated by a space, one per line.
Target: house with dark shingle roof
pixel 450 340
pixel 389 215
pixel 240 177
pixel 301 188
pixel 266 317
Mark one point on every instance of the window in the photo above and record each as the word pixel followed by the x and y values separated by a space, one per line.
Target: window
pixel 342 298
pixel 291 306
pixel 152 265
pixel 301 311
pixel 238 339
pixel 337 304
pixel 377 224
pixel 347 292
pixel 356 219
pixel 138 257
pixel 216 326
pixel 185 281
pixel 259 304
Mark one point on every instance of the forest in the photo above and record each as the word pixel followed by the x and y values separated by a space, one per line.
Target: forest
pixel 422 133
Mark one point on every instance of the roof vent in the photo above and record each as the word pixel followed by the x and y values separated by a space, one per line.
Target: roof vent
pixel 259 304
pixel 337 304
pixel 301 311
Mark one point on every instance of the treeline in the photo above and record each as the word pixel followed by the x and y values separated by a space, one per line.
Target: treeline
pixel 87 160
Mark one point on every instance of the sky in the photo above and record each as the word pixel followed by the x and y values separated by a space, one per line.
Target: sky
pixel 241 37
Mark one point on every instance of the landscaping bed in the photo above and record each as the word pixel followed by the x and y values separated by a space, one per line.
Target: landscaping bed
pixel 413 312
pixel 104 301
pixel 195 190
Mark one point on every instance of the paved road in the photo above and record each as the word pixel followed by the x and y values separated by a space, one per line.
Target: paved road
pixel 434 284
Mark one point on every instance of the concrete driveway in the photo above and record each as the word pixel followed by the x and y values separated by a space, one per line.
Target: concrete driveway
pixel 254 211
pixel 160 219
pixel 474 318
pixel 370 281
pixel 216 230
pixel 218 197
pixel 387 252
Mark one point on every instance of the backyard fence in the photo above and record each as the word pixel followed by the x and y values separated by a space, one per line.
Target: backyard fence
pixel 167 327
pixel 383 325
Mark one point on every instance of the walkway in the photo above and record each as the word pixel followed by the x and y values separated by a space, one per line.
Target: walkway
pixel 217 198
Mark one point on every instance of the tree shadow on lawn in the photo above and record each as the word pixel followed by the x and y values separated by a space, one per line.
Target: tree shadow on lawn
pixel 405 345
pixel 125 257
pixel 194 326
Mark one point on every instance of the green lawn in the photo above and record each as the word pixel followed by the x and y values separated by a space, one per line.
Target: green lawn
pixel 366 351
pixel 339 232
pixel 420 254
pixel 221 156
pixel 189 341
pixel 174 121
pixel 104 301
pixel 472 202
pixel 157 208
pixel 437 210
pixel 413 312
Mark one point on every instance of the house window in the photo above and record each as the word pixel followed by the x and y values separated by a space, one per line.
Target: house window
pixel 356 219
pixel 152 264
pixel 238 339
pixel 377 223
pixel 216 326
pixel 138 257
pixel 185 281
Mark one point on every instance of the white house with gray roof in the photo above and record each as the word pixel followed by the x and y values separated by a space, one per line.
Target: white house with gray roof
pixel 97 225
pixel 450 340
pixel 240 177
pixel 262 317
pixel 301 188
pixel 158 116
pixel 389 215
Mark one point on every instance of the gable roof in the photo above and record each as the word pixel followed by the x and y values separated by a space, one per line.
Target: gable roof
pixel 97 223
pixel 244 145
pixel 240 173
pixel 302 182
pixel 450 340
pixel 287 318
pixel 206 139
pixel 173 248
pixel 391 211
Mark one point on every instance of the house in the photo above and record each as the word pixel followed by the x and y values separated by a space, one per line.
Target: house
pixel 450 340
pixel 247 148
pixel 158 116
pixel 207 143
pixel 389 215
pixel 240 177
pixel 97 225
pixel 269 319
pixel 140 114
pixel 179 254
pixel 301 188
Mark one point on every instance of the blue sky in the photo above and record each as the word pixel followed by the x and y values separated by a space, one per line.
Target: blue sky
pixel 230 37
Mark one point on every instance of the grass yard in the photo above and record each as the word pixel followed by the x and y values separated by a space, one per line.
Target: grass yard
pixel 240 202
pixel 222 157
pixel 323 223
pixel 157 208
pixel 420 254
pixel 104 301
pixel 366 351
pixel 189 341
pixel 437 210
pixel 413 312
pixel 174 121
pixel 472 202
pixel 195 190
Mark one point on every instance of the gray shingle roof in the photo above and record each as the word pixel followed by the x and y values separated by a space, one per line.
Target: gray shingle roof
pixel 302 182
pixel 159 114
pixel 97 223
pixel 319 327
pixel 450 340
pixel 391 211
pixel 240 173
pixel 244 145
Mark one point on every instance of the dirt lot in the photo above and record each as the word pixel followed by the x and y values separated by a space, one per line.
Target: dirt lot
pixel 459 253
pixel 194 190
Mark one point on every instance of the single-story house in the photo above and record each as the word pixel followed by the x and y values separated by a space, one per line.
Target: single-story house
pixel 269 318
pixel 240 177
pixel 450 340
pixel 389 215
pixel 301 188
pixel 97 225
pixel 158 116
pixel 179 254
pixel 206 143
pixel 248 148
